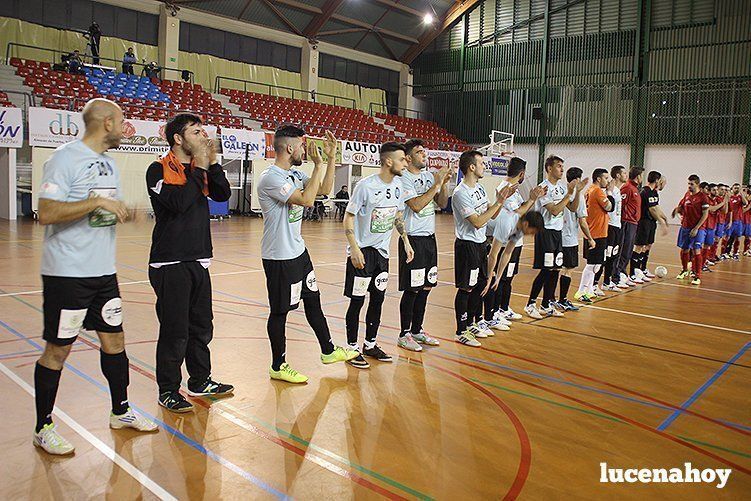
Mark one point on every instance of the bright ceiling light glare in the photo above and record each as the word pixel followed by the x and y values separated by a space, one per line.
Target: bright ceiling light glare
pixel 428 19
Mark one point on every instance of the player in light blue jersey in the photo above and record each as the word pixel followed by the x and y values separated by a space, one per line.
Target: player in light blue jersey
pixel 283 192
pixel 424 193
pixel 80 203
pixel 375 209
pixel 472 211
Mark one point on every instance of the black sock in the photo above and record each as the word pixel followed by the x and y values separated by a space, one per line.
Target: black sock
pixel 317 321
pixel 598 274
pixel 46 382
pixel 373 316
pixel 488 302
pixel 115 370
pixel 275 327
pixel 504 295
pixel 461 304
pixel 352 319
pixel 644 259
pixel 474 305
pixel 418 315
pixel 537 285
pixel 565 285
pixel 635 262
pixel 406 311
pixel 548 291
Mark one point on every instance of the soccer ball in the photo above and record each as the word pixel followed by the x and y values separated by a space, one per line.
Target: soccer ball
pixel 661 271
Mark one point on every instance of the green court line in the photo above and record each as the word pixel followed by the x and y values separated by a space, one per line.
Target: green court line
pixel 719 448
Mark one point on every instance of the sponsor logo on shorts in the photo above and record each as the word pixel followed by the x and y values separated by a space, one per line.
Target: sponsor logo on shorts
pixel 112 312
pixel 433 275
pixel 559 259
pixel 417 277
pixel 382 281
pixel 295 291
pixel 360 286
pixel 474 275
pixel 311 281
pixel 70 323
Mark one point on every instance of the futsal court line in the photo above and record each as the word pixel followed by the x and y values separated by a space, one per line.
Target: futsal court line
pixel 704 387
pixel 106 450
pixel 172 431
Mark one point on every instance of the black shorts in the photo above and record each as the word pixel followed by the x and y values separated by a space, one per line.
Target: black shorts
pixel 374 278
pixel 645 232
pixel 613 247
pixel 71 304
pixel 288 281
pixel 548 250
pixel 571 257
pixel 470 264
pixel 596 255
pixel 512 268
pixel 423 270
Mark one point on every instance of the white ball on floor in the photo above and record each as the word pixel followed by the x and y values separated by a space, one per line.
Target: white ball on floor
pixel 661 271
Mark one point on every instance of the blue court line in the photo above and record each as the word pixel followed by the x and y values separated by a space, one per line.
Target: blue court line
pixel 699 391
pixel 17 353
pixel 189 441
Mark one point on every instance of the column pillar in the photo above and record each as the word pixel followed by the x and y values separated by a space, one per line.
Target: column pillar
pixel 8 183
pixel 169 41
pixel 309 68
pixel 406 94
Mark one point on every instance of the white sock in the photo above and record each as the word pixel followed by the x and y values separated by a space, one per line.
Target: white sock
pixel 588 278
pixel 369 345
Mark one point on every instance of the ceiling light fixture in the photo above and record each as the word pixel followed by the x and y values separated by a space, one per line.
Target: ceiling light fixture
pixel 428 19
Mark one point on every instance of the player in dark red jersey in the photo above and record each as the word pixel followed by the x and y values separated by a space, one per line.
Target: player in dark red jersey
pixel 747 222
pixel 694 209
pixel 735 206
pixel 722 217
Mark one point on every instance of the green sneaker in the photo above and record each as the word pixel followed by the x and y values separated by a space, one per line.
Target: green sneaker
pixel 51 442
pixel 684 275
pixel 339 355
pixel 288 374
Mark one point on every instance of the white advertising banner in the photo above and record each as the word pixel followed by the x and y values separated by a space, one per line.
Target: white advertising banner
pixel 438 159
pixel 53 128
pixel 236 141
pixel 11 128
pixel 359 153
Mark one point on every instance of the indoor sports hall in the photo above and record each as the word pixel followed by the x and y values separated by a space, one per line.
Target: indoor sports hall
pixel 639 391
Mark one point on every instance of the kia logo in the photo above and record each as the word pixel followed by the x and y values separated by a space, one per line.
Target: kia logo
pixel 359 158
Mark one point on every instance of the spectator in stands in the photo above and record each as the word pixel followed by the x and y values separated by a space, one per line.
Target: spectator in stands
pixel 152 71
pixel 129 59
pixel 94 35
pixel 185 75
pixel 341 206
pixel 75 65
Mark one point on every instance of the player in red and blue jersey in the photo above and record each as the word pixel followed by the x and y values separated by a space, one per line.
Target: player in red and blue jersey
pixel 694 209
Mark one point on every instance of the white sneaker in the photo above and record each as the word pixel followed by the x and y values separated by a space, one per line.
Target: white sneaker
pixel 610 286
pixel 467 338
pixel 408 343
pixel 482 327
pixel 645 278
pixel 550 311
pixel 532 311
pixel 636 280
pixel 511 315
pixel 497 325
pixel 622 285
pixel 51 442
pixel 597 291
pixel 132 420
pixel 649 274
pixel 638 273
pixel 500 317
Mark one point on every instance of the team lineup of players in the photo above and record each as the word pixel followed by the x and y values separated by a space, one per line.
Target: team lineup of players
pixel 616 214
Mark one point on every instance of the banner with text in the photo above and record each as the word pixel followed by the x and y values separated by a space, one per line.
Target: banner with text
pixel 11 128
pixel 235 142
pixel 359 153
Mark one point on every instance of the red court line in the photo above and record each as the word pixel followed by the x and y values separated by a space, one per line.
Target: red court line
pixel 290 447
pixel 633 422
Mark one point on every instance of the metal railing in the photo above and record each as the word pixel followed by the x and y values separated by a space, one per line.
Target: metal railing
pixel 28 100
pixel 75 103
pixel 291 92
pixel 394 110
pixel 11 51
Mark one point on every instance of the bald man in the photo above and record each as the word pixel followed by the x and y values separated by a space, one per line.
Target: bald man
pixel 80 204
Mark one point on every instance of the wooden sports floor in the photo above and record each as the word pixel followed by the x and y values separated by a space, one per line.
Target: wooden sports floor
pixel 651 378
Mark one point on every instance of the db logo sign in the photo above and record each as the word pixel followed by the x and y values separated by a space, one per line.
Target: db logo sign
pixel 359 158
pixel 59 128
pixel 382 281
pixel 129 129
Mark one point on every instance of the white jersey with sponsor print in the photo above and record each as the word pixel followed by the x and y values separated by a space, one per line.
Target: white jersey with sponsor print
pixel 281 221
pixel 571 223
pixel 375 205
pixel 511 204
pixel 615 215
pixel 419 224
pixel 466 201
pixel 556 193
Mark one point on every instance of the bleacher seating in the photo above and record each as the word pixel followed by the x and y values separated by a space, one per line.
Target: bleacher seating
pixel 4 102
pixel 435 136
pixel 346 123
pixel 141 98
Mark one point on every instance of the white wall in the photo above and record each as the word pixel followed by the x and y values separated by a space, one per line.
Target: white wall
pixel 589 157
pixel 712 163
